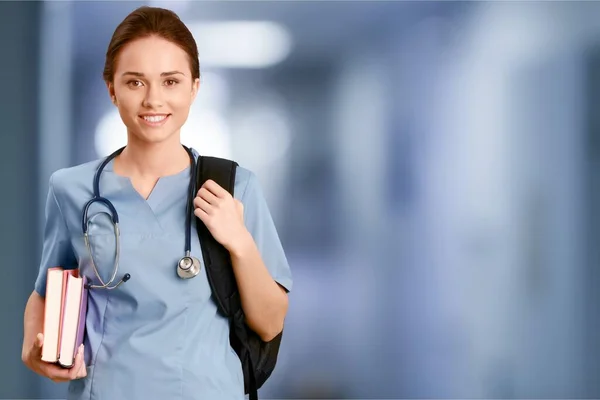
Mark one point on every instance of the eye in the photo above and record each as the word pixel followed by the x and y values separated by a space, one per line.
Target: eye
pixel 171 82
pixel 134 83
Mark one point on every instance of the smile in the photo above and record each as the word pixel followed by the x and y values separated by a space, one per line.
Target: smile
pixel 154 120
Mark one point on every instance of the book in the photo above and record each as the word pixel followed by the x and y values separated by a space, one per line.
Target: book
pixel 64 315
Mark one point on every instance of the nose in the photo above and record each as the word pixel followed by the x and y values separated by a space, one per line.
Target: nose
pixel 153 98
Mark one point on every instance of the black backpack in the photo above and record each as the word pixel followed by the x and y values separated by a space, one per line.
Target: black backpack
pixel 258 358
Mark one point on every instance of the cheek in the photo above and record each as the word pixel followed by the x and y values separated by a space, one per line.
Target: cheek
pixel 128 115
pixel 180 103
pixel 180 99
pixel 128 106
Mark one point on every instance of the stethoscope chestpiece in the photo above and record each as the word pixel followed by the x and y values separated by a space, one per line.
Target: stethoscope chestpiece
pixel 188 267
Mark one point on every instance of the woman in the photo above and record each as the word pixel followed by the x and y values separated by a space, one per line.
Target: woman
pixel 156 336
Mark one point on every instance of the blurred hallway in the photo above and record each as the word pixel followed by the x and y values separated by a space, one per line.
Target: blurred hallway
pixel 432 169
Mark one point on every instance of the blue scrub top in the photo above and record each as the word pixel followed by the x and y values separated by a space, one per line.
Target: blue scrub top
pixel 156 336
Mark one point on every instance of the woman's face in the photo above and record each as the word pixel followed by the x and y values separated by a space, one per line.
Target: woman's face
pixel 153 89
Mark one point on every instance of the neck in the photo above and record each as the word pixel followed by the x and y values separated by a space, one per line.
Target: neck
pixel 151 159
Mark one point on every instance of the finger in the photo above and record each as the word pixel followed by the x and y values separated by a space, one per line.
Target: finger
pixel 202 204
pixel 214 188
pixel 207 195
pixel 80 367
pixel 239 205
pixel 74 370
pixel 38 342
pixel 60 380
pixel 200 213
pixel 55 373
pixel 82 371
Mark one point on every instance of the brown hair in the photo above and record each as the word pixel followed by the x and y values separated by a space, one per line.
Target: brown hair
pixel 148 21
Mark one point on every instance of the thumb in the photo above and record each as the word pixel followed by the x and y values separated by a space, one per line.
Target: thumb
pixel 38 342
pixel 240 206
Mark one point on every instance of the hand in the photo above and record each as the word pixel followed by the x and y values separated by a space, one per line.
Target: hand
pixel 222 214
pixel 33 360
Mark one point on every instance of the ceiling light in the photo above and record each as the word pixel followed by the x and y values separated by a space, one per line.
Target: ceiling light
pixel 241 44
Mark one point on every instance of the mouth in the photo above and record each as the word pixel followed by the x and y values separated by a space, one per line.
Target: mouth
pixel 154 119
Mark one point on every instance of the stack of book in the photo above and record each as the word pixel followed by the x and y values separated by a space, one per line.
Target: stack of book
pixel 64 315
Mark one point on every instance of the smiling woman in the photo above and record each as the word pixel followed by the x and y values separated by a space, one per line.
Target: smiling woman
pixel 153 77
pixel 156 335
pixel 154 95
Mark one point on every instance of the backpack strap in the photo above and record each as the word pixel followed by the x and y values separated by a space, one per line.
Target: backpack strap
pixel 217 259
pixel 219 270
pixel 247 362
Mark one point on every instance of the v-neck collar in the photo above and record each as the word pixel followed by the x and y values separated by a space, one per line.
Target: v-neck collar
pixel 160 191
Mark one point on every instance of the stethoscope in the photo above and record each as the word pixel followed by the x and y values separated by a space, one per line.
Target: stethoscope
pixel 187 267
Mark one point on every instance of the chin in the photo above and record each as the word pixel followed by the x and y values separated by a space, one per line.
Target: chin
pixel 150 138
pixel 154 135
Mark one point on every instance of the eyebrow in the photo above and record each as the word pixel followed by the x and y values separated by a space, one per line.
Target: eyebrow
pixel 139 74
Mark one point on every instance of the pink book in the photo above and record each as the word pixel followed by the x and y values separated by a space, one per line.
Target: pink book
pixel 73 317
pixel 53 313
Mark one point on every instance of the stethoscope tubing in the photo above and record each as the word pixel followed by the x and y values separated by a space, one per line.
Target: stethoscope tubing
pixel 115 221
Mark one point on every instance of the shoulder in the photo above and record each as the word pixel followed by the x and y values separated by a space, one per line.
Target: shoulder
pixel 249 191
pixel 246 188
pixel 78 176
pixel 245 181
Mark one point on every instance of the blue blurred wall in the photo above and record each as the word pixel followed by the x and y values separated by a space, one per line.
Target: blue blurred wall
pixel 19 107
pixel 438 199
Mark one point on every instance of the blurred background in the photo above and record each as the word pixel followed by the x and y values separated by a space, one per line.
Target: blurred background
pixel 433 169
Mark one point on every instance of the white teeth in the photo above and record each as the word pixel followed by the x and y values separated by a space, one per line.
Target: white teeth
pixel 153 118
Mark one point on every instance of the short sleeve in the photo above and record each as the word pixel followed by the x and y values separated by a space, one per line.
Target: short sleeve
pixel 57 250
pixel 260 224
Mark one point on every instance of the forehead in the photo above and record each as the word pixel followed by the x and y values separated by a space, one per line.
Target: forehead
pixel 152 56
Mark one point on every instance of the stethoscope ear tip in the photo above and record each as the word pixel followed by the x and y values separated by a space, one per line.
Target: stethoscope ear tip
pixel 126 277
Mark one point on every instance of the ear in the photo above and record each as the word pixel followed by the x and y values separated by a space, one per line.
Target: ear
pixel 195 88
pixel 111 92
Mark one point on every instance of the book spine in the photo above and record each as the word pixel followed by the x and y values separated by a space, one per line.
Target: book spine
pixel 82 314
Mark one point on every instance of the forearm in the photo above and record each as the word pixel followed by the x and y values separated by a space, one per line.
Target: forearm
pixel 33 320
pixel 264 302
